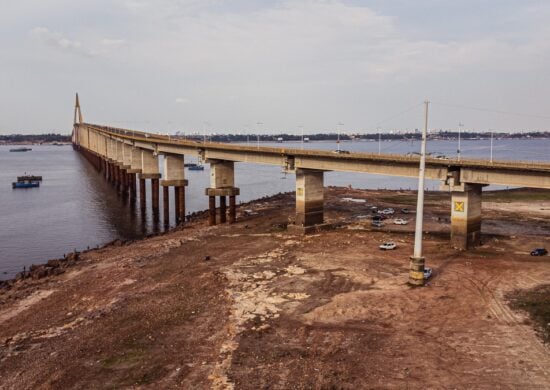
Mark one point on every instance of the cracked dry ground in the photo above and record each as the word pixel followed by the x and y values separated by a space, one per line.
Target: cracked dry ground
pixel 274 309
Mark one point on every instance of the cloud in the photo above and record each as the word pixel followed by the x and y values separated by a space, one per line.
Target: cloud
pixel 112 42
pixel 57 40
pixel 290 61
pixel 182 100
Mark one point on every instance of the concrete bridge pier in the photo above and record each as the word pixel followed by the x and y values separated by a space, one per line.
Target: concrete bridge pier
pixel 466 216
pixel 174 176
pixel 222 185
pixel 135 168
pixel 166 205
pixel 309 197
pixel 142 199
pixel 150 170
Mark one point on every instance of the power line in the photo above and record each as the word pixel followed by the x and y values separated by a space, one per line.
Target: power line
pixel 493 110
pixel 397 115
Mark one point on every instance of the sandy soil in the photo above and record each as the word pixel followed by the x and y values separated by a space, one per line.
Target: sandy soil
pixel 275 309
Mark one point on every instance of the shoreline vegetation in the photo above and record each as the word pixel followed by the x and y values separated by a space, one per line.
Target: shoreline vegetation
pixel 24 139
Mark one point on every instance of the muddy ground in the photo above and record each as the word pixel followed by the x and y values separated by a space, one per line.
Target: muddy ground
pixel 274 309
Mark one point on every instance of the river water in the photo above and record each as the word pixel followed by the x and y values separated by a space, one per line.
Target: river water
pixel 75 208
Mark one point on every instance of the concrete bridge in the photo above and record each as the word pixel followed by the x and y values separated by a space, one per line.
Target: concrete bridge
pixel 128 156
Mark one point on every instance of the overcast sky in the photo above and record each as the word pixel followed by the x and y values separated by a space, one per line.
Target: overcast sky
pixel 269 66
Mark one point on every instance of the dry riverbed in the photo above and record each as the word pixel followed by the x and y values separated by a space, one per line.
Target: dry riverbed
pixel 254 305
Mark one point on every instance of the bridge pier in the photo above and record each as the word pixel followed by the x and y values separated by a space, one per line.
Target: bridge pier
pixel 166 205
pixel 309 197
pixel 142 199
pixel 174 176
pixel 222 184
pixel 466 216
pixel 135 168
pixel 150 170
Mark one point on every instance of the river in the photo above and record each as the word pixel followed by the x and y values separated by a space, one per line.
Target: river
pixel 75 208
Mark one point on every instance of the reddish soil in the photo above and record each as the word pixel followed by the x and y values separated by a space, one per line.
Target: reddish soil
pixel 272 308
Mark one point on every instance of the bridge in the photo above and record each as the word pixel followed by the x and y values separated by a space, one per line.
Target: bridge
pixel 128 157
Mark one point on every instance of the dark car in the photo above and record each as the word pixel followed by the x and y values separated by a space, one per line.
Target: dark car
pixel 539 252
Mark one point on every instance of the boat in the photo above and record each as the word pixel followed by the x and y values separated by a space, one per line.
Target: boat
pixel 25 184
pixel 188 165
pixel 20 150
pixel 29 178
pixel 196 168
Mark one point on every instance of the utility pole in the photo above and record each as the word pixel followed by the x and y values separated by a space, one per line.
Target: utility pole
pixel 258 135
pixel 340 124
pixel 379 142
pixel 491 146
pixel 302 127
pixel 416 271
pixel 460 125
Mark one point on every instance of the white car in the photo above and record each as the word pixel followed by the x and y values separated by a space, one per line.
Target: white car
pixel 427 272
pixel 388 246
pixel 400 221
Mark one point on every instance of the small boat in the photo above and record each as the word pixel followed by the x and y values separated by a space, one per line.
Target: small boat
pixel 196 168
pixel 20 150
pixel 25 184
pixel 189 165
pixel 29 178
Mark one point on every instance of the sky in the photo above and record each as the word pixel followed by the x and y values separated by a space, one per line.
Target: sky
pixel 275 66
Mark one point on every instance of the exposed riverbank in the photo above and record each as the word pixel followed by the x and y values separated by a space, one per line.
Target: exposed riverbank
pixel 253 304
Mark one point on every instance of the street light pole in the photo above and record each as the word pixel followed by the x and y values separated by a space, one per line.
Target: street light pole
pixel 491 146
pixel 416 271
pixel 258 135
pixel 379 142
pixel 339 130
pixel 460 125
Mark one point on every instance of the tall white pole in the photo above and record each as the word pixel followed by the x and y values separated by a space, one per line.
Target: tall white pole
pixel 460 125
pixel 258 135
pixel 379 142
pixel 420 201
pixel 491 146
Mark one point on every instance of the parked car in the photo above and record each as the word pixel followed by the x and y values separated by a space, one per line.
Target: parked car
pixel 390 245
pixel 379 217
pixel 388 211
pixel 377 223
pixel 539 252
pixel 400 221
pixel 341 151
pixel 405 211
pixel 427 272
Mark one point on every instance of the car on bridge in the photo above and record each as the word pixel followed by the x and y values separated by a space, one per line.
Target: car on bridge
pixel 539 252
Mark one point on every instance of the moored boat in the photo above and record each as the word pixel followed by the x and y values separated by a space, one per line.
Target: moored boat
pixel 196 168
pixel 29 178
pixel 25 184
pixel 20 150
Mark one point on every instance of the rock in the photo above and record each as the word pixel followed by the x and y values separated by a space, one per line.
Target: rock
pixel 53 263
